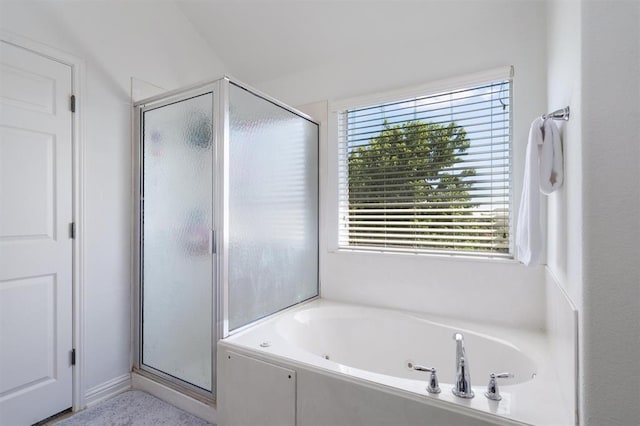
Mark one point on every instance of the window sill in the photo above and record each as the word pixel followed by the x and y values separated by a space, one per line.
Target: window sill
pixel 426 256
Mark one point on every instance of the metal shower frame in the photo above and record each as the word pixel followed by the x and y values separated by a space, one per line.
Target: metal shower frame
pixel 220 208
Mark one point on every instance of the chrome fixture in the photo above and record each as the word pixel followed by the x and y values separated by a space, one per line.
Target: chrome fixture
pixel 559 114
pixel 433 386
pixel 493 393
pixel 462 387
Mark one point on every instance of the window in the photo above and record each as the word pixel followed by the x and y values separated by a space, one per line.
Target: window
pixel 428 173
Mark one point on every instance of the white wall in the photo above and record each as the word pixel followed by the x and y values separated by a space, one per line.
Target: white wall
pixel 594 221
pixel 424 48
pixel 564 232
pixel 118 40
pixel 611 216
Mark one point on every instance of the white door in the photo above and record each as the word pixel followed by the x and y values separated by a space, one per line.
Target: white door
pixel 35 243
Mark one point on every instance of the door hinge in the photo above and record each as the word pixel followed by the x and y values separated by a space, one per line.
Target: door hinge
pixel 73 103
pixel 73 356
pixel 72 230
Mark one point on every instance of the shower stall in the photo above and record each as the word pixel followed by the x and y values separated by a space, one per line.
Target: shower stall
pixel 226 223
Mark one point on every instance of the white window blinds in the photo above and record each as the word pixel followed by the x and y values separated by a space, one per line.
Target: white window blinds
pixel 428 174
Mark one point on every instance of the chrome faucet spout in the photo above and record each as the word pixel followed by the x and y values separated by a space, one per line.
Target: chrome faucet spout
pixel 460 352
pixel 462 387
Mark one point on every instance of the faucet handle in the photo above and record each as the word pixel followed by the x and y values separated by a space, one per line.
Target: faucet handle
pixel 433 386
pixel 501 375
pixel 493 393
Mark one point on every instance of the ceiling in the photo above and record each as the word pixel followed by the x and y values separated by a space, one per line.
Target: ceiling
pixel 263 40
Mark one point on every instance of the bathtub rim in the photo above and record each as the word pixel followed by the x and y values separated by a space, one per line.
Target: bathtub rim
pixel 339 311
pixel 285 362
pixel 541 407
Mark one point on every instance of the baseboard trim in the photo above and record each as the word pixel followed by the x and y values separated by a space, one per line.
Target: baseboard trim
pixel 108 389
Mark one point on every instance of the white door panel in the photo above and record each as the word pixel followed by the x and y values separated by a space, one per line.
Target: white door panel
pixel 25 88
pixel 27 209
pixel 29 302
pixel 35 247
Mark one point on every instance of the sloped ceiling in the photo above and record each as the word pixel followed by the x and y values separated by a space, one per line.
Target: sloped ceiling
pixel 263 40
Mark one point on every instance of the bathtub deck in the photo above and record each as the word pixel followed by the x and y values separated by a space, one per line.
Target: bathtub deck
pixel 530 402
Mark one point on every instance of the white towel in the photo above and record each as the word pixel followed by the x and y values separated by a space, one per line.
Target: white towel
pixel 551 168
pixel 528 233
pixel 542 172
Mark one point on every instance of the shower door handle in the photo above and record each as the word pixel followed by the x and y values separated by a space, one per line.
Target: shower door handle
pixel 212 241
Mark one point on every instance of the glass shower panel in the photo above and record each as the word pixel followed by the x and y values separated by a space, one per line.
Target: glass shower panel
pixel 273 208
pixel 177 198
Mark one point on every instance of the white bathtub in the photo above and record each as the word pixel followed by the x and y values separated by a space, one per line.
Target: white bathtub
pixel 375 347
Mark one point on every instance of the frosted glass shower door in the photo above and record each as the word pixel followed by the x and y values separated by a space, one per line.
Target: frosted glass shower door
pixel 273 207
pixel 176 221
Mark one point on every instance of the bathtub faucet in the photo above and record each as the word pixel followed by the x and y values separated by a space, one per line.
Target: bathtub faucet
pixel 462 387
